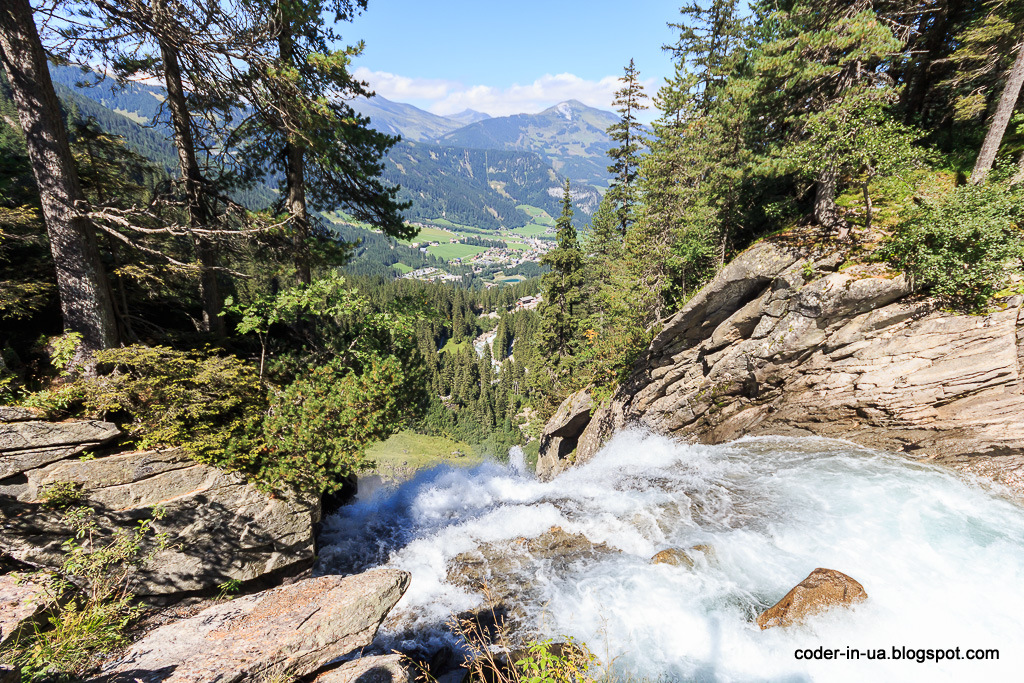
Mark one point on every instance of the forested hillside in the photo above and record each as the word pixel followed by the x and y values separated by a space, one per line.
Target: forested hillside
pixel 571 136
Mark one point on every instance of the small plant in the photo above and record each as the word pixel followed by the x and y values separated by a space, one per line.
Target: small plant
pixel 228 589
pixel 63 350
pixel 89 598
pixel 60 495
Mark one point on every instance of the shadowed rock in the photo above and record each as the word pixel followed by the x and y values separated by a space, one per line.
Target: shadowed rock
pixel 380 669
pixel 822 590
pixel 291 631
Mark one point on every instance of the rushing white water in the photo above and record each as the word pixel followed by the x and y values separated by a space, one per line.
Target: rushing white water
pixel 942 559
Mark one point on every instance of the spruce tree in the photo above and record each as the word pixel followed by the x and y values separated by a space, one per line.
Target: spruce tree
pixel 627 135
pixel 562 287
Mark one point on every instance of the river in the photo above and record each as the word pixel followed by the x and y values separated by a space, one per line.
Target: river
pixel 941 558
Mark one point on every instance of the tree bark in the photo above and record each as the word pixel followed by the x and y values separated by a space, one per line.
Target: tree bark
pixel 826 214
pixel 85 296
pixel 1008 100
pixel 295 170
pixel 192 177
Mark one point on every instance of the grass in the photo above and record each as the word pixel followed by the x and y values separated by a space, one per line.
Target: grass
pixel 454 251
pixel 539 216
pixel 402 268
pixel 532 230
pixel 452 347
pixel 430 234
pixel 404 453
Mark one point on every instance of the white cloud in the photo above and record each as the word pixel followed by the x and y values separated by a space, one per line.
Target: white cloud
pixel 449 97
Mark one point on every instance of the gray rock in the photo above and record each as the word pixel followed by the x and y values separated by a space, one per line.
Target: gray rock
pixel 847 355
pixel 26 445
pixel 287 632
pixel 18 414
pixel 562 432
pixel 22 600
pixel 379 669
pixel 219 527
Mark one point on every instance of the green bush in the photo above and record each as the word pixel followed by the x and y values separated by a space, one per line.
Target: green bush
pixel 209 405
pixel 965 246
pixel 319 427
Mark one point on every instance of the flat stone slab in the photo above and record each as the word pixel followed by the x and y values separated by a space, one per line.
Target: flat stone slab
pixel 290 631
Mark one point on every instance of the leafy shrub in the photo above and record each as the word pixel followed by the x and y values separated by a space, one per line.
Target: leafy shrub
pixel 90 621
pixel 319 427
pixel 210 405
pixel 61 494
pixel 964 246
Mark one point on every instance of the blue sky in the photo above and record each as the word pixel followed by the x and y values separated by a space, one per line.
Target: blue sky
pixel 509 57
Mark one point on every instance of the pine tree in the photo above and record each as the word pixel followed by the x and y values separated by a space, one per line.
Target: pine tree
pixel 627 136
pixel 562 287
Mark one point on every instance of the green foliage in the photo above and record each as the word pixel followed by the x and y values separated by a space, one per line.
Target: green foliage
pixel 963 246
pixel 60 495
pixel 88 622
pixel 63 349
pixel 208 404
pixel 562 288
pixel 548 662
pixel 319 427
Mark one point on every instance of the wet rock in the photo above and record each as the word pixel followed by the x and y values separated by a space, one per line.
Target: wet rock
pixel 291 631
pixel 849 354
pixel 22 601
pixel 562 433
pixel 822 590
pixel 380 669
pixel 674 557
pixel 219 526
pixel 507 571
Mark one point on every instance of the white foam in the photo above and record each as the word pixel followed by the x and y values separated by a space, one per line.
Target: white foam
pixel 941 559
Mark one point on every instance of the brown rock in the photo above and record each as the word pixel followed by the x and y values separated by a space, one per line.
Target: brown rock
pixel 22 600
pixel 291 631
pixel 822 590
pixel 380 669
pixel 674 557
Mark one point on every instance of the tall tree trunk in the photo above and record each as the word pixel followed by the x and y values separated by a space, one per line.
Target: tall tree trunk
pixel 1008 100
pixel 85 297
pixel 295 169
pixel 920 76
pixel 826 214
pixel 191 175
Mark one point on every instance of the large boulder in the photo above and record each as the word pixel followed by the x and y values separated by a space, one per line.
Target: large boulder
pixel 378 669
pixel 219 527
pixel 562 433
pixel 284 633
pixel 822 590
pixel 792 343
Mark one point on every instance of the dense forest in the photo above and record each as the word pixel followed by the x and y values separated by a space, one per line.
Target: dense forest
pixel 152 276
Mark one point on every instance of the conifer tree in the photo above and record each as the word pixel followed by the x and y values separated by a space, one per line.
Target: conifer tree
pixel 562 287
pixel 627 136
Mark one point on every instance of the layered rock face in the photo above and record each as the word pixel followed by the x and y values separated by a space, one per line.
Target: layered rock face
pixel 219 527
pixel 786 344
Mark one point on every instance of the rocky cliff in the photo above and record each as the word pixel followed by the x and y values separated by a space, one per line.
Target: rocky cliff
pixel 219 527
pixel 782 342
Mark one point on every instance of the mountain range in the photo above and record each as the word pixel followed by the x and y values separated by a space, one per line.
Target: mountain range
pixel 468 168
